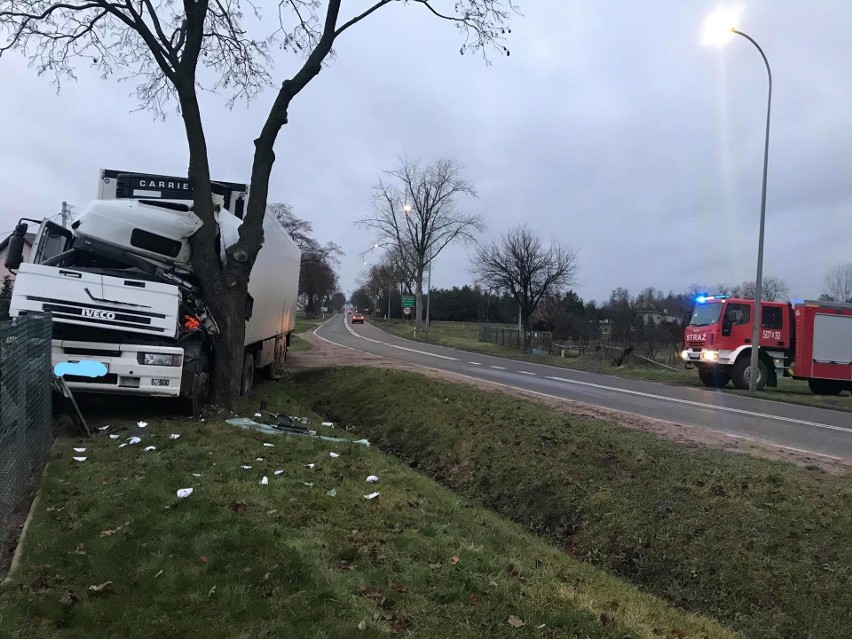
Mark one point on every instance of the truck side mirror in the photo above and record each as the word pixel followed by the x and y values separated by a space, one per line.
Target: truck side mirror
pixel 15 254
pixel 727 323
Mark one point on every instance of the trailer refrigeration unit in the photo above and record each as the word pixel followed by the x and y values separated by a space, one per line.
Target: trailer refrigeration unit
pixel 801 339
pixel 121 289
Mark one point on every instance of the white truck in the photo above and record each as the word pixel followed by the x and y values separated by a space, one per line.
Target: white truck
pixel 121 291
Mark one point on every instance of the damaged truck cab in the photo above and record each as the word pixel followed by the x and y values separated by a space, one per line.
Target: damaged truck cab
pixel 121 291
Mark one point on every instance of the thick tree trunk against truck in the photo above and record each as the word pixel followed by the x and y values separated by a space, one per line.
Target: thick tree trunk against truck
pixel 229 350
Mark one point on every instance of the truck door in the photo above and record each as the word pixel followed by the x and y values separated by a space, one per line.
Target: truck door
pixel 50 241
pixel 773 333
pixel 736 324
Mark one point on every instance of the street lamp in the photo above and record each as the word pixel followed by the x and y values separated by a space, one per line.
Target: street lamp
pixel 718 29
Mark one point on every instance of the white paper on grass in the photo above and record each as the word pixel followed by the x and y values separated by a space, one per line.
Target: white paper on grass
pixel 269 445
pixel 372 479
pixel 258 459
pixel 309 484
pixel 80 459
pixel 362 442
pixel 328 424
pixel 104 427
pixel 134 440
pixel 113 436
pixel 245 467
pixel 148 449
pixel 309 465
pixel 196 474
pixel 122 445
pixel 332 493
pixel 264 481
pixel 174 436
pixel 183 493
pixel 141 424
pixel 334 454
pixel 278 472
pixel 258 415
pixel 372 495
pixel 79 450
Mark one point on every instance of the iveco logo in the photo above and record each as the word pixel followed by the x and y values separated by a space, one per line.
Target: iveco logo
pixel 91 312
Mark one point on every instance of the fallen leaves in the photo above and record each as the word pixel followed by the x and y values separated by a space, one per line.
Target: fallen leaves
pixel 68 599
pixel 203 559
pixel 515 622
pixel 454 560
pixel 239 506
pixel 110 533
pixel 100 589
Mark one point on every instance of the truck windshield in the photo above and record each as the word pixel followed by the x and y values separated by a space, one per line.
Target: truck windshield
pixel 705 314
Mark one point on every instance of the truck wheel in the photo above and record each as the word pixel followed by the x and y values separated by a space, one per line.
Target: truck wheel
pixel 713 376
pixel 740 374
pixel 248 374
pixel 825 386
pixel 193 404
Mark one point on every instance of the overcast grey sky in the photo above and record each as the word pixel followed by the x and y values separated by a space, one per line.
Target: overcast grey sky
pixel 609 129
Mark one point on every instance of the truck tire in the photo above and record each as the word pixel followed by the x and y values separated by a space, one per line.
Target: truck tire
pixel 713 376
pixel 825 386
pixel 740 373
pixel 193 404
pixel 247 379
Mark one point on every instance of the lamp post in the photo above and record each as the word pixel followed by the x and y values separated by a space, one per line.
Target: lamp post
pixel 717 29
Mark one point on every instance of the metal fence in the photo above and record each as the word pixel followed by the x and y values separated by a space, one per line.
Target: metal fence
pixel 537 342
pixel 25 407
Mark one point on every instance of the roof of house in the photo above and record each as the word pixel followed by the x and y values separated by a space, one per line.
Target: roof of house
pixel 28 238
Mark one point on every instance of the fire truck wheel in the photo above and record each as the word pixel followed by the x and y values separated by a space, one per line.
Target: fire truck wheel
pixel 825 386
pixel 713 376
pixel 740 374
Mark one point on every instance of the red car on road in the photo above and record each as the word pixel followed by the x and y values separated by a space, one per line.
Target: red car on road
pixel 357 318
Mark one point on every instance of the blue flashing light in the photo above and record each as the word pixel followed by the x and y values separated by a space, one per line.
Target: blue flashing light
pixel 701 299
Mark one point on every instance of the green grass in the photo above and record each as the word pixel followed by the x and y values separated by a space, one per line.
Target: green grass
pixel 237 559
pixel 763 546
pixel 299 344
pixel 465 336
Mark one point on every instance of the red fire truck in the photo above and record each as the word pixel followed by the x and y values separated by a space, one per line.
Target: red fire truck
pixel 801 339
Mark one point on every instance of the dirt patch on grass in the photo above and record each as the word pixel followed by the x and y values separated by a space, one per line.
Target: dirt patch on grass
pixel 326 354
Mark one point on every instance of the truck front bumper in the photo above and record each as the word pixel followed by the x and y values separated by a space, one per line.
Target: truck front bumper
pixel 125 375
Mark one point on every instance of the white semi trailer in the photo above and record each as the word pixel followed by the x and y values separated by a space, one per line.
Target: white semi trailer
pixel 121 290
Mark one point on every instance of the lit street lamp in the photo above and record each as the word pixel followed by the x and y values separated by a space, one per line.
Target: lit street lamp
pixel 718 29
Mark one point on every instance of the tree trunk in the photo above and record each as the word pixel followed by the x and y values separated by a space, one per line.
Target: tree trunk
pixel 418 298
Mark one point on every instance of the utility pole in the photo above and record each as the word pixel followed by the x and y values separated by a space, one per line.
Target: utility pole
pixel 65 213
pixel 429 296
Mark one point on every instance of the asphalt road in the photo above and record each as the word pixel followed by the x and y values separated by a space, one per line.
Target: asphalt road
pixel 802 428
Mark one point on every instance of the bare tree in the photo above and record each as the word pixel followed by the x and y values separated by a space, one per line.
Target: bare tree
pixel 773 290
pixel 519 264
pixel 417 214
pixel 838 283
pixel 171 47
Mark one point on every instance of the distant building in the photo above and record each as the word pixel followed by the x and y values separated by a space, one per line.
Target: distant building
pixel 659 317
pixel 4 250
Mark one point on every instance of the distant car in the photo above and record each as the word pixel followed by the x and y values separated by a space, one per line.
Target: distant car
pixel 349 312
pixel 357 318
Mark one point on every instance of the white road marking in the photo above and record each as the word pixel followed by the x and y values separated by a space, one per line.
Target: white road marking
pixel 526 373
pixel 402 348
pixel 499 368
pixel 475 363
pixel 689 402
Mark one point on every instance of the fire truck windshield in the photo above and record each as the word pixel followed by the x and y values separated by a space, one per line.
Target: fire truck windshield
pixel 706 314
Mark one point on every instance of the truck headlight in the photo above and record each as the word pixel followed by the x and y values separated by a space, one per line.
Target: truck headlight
pixel 684 355
pixel 710 356
pixel 159 359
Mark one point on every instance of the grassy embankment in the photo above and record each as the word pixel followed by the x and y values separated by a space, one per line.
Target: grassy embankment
pixel 303 325
pixel 286 559
pixel 465 336
pixel 765 547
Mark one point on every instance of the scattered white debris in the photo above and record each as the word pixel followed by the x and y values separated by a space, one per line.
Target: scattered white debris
pixel 361 442
pixel 148 449
pixel 278 472
pixel 329 424
pixel 196 474
pixel 183 493
pixel 309 484
pixel 102 428
pixel 122 445
pixel 258 459
pixel 134 440
pixel 372 479
pixel 332 493
pixel 309 465
pixel 245 467
pixel 258 415
pixel 372 495
pixel 174 436
pixel 268 445
pixel 202 419
pixel 80 459
pixel 79 450
pixel 264 481
pixel 334 454
pixel 113 436
pixel 141 424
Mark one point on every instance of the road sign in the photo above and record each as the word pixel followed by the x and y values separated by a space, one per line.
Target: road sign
pixel 407 301
pixel 406 310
